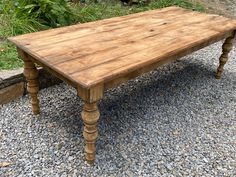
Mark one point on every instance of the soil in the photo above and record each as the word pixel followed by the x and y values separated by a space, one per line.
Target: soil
pixel 221 7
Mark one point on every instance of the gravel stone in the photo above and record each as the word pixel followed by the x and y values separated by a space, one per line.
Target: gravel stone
pixel 175 121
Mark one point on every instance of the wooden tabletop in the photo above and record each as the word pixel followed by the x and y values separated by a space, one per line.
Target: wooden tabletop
pixel 98 52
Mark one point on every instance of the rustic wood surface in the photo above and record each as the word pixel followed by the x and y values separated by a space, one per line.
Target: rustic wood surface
pixel 99 55
pixel 103 51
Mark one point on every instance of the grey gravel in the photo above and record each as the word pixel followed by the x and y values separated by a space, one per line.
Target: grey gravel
pixel 175 121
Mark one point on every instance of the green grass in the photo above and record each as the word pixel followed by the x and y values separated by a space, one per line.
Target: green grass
pixel 96 11
pixel 10 25
pixel 8 56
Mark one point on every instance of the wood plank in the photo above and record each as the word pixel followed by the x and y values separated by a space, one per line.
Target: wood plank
pixel 81 38
pixel 93 31
pixel 65 55
pixel 107 40
pixel 114 68
pixel 69 51
pixel 91 27
pixel 144 69
pixel 101 52
pixel 54 72
pixel 94 59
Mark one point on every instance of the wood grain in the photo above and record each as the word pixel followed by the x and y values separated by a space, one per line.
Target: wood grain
pixel 114 68
pixel 97 49
pixel 92 26
pixel 101 52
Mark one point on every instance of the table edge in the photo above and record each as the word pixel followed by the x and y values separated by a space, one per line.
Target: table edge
pixel 132 73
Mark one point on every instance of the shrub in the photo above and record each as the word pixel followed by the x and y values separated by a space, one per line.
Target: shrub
pixel 51 13
pixel 12 22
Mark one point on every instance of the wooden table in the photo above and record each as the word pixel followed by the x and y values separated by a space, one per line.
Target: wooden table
pixel 99 55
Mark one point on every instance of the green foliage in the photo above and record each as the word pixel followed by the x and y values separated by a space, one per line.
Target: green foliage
pixel 50 13
pixel 11 25
pixel 12 22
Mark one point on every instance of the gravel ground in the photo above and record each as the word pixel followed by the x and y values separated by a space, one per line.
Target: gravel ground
pixel 175 121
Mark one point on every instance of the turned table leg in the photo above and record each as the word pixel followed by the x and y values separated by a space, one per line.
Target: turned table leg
pixel 31 75
pixel 90 116
pixel 227 47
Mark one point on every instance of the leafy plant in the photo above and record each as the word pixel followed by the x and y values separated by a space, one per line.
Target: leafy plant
pixel 12 22
pixel 52 13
